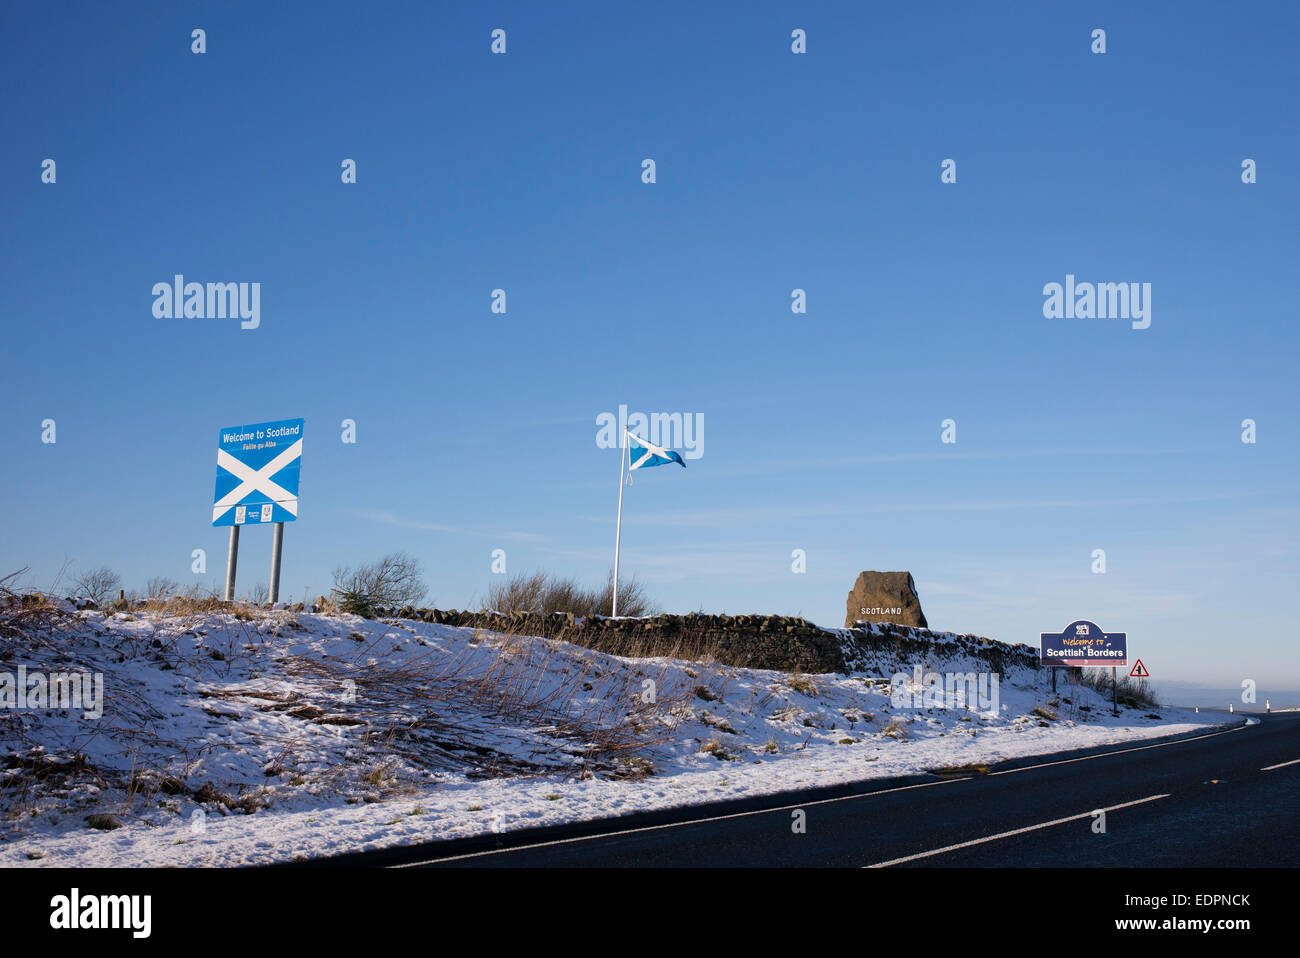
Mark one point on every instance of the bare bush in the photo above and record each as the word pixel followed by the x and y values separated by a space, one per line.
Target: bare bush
pixel 395 580
pixel 159 588
pixel 632 600
pixel 1128 691
pixel 539 592
pixel 520 593
pixel 99 584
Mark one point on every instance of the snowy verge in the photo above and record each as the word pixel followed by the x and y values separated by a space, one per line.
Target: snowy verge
pixel 255 737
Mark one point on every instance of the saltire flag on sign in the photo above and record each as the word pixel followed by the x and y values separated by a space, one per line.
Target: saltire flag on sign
pixel 642 454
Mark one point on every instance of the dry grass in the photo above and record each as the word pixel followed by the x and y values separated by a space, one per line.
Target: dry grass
pixel 719 751
pixel 895 729
pixel 803 684
pixel 27 621
pixel 960 771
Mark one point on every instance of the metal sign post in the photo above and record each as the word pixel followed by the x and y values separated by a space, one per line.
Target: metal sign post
pixel 1141 674
pixel 277 543
pixel 618 524
pixel 232 561
pixel 1114 689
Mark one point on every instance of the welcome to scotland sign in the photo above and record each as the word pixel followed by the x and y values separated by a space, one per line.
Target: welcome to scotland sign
pixel 1083 643
pixel 257 473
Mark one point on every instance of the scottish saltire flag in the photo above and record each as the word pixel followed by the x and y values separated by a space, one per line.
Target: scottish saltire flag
pixel 644 454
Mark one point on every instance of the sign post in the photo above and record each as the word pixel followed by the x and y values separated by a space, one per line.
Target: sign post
pixel 232 560
pixel 623 453
pixel 257 482
pixel 1141 674
pixel 277 544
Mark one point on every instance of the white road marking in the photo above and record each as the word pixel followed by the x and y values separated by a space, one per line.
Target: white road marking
pixel 1017 831
pixel 785 808
pixel 655 828
pixel 1270 768
pixel 1121 751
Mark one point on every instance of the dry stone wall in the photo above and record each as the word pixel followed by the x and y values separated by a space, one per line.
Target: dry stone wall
pixel 783 643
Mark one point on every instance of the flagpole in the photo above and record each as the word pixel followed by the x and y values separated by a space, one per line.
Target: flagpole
pixel 618 527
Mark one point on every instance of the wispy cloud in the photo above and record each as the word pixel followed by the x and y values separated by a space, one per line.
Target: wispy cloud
pixel 702 517
pixel 391 519
pixel 797 463
pixel 756 561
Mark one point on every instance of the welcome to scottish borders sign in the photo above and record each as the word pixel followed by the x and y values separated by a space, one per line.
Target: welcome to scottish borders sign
pixel 257 473
pixel 1083 643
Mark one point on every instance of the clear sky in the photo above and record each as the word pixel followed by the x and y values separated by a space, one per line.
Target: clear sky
pixel 775 171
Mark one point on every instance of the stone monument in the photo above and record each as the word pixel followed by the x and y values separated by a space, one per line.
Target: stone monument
pixel 884 597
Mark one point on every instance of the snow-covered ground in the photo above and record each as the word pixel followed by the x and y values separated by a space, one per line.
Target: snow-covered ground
pixel 228 740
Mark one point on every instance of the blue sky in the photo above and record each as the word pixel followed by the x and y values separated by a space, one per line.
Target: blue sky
pixel 476 431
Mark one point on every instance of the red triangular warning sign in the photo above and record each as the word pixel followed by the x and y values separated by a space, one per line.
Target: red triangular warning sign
pixel 1139 671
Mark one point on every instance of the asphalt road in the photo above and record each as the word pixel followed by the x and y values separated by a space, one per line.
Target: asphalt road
pixel 1212 800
